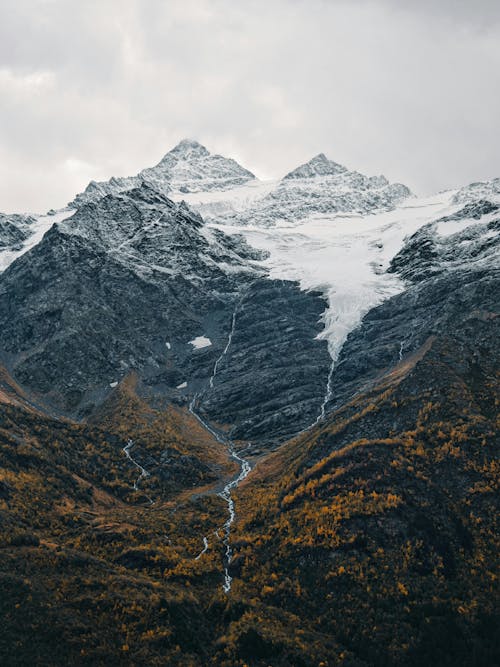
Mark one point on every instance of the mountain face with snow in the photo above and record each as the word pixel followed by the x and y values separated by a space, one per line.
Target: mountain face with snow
pixel 125 265
pixel 319 188
pixel 188 167
pixel 482 190
pixel 14 230
pixel 295 266
pixel 129 284
pixel 290 386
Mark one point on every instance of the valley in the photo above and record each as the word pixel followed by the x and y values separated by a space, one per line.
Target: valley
pixel 250 423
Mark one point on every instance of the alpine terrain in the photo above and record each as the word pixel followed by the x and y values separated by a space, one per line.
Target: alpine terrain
pixel 250 422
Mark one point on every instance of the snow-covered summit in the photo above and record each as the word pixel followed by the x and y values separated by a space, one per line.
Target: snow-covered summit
pixel 318 188
pixel 220 188
pixel 319 165
pixel 189 167
pixel 187 147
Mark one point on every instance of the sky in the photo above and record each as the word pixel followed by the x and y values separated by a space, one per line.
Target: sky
pixel 88 90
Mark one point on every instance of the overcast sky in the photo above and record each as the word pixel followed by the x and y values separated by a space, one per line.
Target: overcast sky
pixel 95 88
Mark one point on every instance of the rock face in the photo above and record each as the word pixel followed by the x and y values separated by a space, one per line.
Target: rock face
pixel 104 292
pixel 272 380
pixel 14 230
pixel 189 167
pixel 132 283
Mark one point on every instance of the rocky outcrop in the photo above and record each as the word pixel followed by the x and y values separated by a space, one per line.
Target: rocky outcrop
pixel 489 190
pixel 14 230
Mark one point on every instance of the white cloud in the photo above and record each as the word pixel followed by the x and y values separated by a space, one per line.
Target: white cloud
pixel 92 89
pixel 25 84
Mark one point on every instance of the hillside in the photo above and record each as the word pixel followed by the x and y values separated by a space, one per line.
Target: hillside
pixel 268 436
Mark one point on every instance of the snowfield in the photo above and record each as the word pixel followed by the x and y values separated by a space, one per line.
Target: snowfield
pixel 346 257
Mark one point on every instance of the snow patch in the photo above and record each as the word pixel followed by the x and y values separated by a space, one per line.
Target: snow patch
pixel 449 227
pixel 200 341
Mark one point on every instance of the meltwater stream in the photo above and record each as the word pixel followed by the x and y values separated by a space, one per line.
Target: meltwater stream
pixel 143 471
pixel 225 494
pixel 244 465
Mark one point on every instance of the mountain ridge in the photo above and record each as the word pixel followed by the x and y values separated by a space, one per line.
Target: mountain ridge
pixel 266 436
pixel 188 167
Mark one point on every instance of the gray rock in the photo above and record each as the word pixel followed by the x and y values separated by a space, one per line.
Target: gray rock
pixel 14 230
pixel 127 284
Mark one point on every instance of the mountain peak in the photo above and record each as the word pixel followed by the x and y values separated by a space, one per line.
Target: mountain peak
pixel 188 167
pixel 188 148
pixel 319 165
pixel 320 157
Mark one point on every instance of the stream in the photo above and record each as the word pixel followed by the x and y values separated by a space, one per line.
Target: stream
pixel 244 465
pixel 143 471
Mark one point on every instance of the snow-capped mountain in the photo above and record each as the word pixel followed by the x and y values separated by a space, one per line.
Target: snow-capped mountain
pixel 289 386
pixel 188 167
pixel 303 260
pixel 318 188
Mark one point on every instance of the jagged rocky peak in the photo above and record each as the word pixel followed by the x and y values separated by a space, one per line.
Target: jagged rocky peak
pixel 320 188
pixel 319 165
pixel 187 148
pixel 188 167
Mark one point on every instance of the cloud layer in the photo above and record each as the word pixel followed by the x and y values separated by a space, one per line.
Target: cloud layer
pixel 105 87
